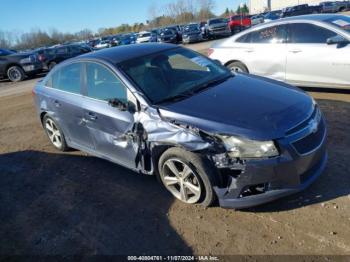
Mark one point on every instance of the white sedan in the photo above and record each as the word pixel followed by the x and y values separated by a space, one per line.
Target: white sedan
pixel 143 37
pixel 312 50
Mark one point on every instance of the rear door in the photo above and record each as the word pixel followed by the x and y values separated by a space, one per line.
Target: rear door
pixel 311 61
pixel 66 101
pixel 108 125
pixel 264 51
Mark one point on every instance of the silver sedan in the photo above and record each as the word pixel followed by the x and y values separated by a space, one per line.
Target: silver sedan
pixel 312 50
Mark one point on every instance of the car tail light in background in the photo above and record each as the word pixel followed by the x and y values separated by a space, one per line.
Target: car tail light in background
pixel 210 51
pixel 41 58
pixel 33 92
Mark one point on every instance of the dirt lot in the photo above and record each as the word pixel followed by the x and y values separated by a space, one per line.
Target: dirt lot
pixel 71 203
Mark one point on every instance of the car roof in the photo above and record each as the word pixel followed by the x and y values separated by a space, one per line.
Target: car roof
pixel 313 17
pixel 120 54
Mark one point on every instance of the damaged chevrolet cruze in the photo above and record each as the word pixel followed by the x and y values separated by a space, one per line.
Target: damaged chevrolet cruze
pixel 208 133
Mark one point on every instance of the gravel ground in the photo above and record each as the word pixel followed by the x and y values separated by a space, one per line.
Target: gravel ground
pixel 71 203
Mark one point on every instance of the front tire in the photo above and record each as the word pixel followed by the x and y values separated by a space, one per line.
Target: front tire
pixel 15 74
pixel 55 134
pixel 188 176
pixel 237 67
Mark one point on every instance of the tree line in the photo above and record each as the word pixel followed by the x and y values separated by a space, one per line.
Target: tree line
pixel 177 12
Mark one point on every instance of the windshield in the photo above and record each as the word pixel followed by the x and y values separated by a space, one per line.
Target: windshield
pixel 173 74
pixel 217 21
pixel 168 32
pixel 191 28
pixel 342 22
pixel 144 35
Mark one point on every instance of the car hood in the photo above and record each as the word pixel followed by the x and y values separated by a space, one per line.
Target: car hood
pixel 248 106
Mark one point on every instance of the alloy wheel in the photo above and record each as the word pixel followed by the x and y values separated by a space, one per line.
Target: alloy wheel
pixel 53 133
pixel 14 74
pixel 181 180
pixel 236 69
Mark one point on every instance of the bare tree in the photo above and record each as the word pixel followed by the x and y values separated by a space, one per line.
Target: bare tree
pixel 205 9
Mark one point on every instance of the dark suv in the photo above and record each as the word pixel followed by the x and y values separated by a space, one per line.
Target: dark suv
pixel 16 66
pixel 50 57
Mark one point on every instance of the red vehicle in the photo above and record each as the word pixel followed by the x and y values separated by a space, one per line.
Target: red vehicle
pixel 238 23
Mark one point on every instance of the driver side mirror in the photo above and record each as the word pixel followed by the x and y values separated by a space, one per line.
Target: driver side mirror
pixel 121 105
pixel 337 40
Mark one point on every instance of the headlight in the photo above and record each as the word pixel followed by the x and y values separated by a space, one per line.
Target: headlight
pixel 246 148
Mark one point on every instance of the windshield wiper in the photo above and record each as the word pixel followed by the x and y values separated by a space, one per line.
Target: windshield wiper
pixel 175 98
pixel 211 83
pixel 197 89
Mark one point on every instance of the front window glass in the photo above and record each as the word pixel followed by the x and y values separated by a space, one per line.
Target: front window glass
pixel 104 85
pixel 342 22
pixel 66 78
pixel 173 74
pixel 309 34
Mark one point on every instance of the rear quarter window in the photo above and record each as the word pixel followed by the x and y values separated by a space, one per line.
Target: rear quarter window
pixel 67 78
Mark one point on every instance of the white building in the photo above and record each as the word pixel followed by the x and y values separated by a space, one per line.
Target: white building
pixel 259 6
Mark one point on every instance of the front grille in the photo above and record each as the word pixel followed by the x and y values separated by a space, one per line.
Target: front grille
pixel 312 141
pixel 219 29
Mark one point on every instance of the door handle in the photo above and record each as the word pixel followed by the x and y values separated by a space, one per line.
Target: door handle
pixel 249 50
pixel 92 116
pixel 294 51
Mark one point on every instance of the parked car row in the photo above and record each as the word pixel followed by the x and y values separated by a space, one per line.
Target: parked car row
pixel 303 9
pixel 17 66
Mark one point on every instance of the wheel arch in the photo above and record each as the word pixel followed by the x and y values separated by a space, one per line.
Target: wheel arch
pixel 10 65
pixel 42 115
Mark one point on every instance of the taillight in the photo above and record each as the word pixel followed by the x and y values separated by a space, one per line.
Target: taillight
pixel 33 92
pixel 210 51
pixel 41 58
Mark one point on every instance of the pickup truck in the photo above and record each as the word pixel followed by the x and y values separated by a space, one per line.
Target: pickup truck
pixel 301 10
pixel 334 7
pixel 238 23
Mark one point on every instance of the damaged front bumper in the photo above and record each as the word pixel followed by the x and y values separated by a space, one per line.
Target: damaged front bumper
pixel 254 182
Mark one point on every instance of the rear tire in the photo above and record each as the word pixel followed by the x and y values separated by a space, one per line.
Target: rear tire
pixel 15 74
pixel 237 67
pixel 188 176
pixel 55 134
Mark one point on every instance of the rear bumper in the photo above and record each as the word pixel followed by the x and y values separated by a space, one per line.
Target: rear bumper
pixel 262 181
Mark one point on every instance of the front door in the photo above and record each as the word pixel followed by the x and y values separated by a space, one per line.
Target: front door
pixel 312 62
pixel 109 126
